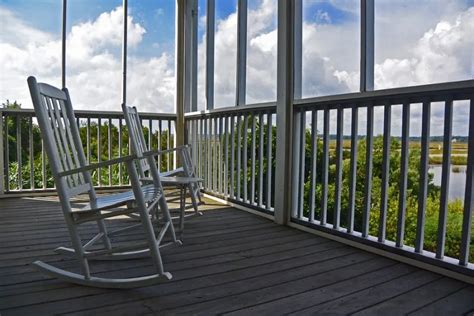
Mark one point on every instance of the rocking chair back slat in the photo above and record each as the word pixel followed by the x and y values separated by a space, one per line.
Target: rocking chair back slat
pixel 187 162
pixel 74 160
pixel 137 138
pixel 62 140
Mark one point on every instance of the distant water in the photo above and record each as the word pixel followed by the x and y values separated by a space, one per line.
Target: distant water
pixel 457 180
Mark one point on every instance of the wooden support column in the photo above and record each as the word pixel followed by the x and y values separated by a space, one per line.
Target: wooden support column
pixel 187 57
pixel 193 51
pixel 241 69
pixel 124 52
pixel 63 44
pixel 180 71
pixel 190 28
pixel 297 94
pixel 367 45
pixel 298 49
pixel 284 115
pixel 210 34
pixel 2 153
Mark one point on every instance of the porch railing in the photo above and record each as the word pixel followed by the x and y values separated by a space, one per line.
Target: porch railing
pixel 234 152
pixel 23 163
pixel 354 176
pixel 365 181
pixel 378 190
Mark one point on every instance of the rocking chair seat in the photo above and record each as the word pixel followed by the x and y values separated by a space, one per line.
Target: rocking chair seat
pixel 173 181
pixel 150 192
pixel 180 180
pixel 172 172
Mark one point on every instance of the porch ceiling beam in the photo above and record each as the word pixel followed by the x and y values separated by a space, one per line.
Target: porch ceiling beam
pixel 367 45
pixel 241 69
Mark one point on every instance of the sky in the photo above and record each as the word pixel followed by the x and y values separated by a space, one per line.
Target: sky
pixel 416 42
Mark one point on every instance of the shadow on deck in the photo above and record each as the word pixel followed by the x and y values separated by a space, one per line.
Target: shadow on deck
pixel 231 262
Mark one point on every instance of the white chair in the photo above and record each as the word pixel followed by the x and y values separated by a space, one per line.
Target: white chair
pixel 72 177
pixel 183 178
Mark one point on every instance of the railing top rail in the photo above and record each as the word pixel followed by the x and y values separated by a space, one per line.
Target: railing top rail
pixel 459 90
pixel 95 114
pixel 234 109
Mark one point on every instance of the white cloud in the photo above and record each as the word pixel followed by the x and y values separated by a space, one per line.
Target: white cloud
pixel 225 61
pixel 443 53
pixel 323 17
pixel 21 50
pixel 261 57
pixel 93 64
pixel 324 60
pixel 16 31
pixel 262 53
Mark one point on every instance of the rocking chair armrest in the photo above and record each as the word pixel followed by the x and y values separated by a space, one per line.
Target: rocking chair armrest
pixel 157 152
pixel 151 153
pixel 97 165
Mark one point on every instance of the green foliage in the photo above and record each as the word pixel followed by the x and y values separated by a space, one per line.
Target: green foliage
pixel 460 160
pixel 18 127
pixel 30 149
pixel 455 208
pixel 266 170
pixel 14 175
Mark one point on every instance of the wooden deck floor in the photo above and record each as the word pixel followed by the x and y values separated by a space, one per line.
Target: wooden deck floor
pixel 232 262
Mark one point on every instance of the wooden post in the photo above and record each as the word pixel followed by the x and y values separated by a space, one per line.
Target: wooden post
pixel 367 45
pixel 210 34
pixel 241 70
pixel 63 44
pixel 284 115
pixel 124 52
pixel 180 68
pixel 2 161
pixel 193 51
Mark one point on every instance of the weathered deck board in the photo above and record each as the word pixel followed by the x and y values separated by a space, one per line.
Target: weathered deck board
pixel 231 262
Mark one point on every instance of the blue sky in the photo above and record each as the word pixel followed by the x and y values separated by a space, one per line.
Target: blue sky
pixel 313 9
pixel 156 16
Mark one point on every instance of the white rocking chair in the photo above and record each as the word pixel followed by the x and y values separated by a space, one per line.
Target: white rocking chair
pixel 72 177
pixel 183 178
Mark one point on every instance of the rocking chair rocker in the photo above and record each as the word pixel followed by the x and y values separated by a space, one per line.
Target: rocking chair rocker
pixel 72 177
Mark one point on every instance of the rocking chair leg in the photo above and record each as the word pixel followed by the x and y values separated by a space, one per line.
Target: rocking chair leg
pixel 105 238
pixel 193 199
pixel 197 192
pixel 167 217
pixel 154 248
pixel 77 246
pixel 146 221
pixel 182 207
